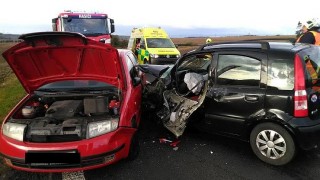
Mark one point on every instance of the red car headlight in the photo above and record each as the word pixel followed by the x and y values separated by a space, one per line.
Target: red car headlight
pixel 101 127
pixel 14 130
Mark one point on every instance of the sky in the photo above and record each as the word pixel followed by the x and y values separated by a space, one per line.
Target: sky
pixel 270 16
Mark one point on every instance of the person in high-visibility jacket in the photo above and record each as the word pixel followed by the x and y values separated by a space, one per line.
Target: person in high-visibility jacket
pixel 208 41
pixel 301 28
pixel 312 36
pixel 314 72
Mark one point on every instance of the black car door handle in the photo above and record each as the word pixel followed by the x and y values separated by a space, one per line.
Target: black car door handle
pixel 251 98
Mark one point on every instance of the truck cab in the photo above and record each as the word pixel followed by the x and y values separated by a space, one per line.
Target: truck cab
pixel 152 45
pixel 96 26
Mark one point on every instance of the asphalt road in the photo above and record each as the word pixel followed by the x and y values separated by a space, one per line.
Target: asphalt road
pixel 198 156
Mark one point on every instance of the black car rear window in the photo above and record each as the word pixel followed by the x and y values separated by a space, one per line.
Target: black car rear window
pixel 281 71
pixel 281 74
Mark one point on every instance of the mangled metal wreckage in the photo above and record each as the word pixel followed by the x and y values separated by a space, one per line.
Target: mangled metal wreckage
pixel 175 92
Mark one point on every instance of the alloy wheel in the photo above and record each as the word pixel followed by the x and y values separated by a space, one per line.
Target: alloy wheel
pixel 271 144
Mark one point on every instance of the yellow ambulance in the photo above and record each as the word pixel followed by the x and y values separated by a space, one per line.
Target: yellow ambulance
pixel 153 46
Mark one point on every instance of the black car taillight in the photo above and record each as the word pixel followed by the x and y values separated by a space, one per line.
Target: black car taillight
pixel 300 93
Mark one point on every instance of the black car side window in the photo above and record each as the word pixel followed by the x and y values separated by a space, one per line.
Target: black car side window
pixel 238 70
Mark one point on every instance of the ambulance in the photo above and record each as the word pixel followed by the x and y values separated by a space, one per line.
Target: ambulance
pixel 152 45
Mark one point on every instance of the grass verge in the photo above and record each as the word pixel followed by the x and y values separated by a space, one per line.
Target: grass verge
pixel 11 92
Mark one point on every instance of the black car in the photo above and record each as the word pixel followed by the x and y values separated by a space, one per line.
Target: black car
pixel 266 93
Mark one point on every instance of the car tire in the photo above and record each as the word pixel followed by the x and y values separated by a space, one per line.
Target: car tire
pixel 134 148
pixel 272 144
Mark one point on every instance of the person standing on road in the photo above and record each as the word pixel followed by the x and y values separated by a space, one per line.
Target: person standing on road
pixel 312 35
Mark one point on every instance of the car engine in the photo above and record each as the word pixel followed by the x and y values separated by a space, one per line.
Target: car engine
pixel 52 119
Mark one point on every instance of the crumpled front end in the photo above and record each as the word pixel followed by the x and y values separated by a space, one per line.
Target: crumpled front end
pixel 177 109
pixel 173 106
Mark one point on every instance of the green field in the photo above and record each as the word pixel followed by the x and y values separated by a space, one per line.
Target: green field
pixel 11 90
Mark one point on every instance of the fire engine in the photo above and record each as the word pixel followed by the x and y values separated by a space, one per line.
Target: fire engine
pixel 96 26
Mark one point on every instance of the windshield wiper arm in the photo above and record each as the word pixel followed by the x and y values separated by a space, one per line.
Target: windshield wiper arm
pixel 93 34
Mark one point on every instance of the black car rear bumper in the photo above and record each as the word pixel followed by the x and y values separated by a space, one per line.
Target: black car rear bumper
pixel 308 137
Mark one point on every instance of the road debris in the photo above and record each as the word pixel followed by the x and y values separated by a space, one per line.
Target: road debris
pixel 175 143
pixel 164 140
pixel 172 143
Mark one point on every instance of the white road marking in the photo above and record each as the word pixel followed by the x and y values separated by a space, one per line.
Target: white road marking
pixel 73 175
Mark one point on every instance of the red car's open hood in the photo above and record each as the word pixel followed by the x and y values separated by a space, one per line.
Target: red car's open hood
pixel 52 56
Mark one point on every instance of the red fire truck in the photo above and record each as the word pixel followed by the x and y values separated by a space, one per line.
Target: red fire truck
pixel 96 26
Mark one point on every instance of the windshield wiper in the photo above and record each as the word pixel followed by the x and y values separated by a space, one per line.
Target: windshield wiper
pixel 93 34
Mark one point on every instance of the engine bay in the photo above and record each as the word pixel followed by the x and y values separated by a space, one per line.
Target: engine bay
pixel 63 119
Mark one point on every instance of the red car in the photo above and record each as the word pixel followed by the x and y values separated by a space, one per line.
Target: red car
pixel 82 107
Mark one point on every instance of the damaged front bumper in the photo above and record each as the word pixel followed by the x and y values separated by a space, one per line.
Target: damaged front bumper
pixel 177 110
pixel 67 156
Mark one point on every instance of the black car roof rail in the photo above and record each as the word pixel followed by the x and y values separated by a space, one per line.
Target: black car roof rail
pixel 264 44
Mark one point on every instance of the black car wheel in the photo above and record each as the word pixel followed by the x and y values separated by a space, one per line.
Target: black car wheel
pixel 134 147
pixel 272 144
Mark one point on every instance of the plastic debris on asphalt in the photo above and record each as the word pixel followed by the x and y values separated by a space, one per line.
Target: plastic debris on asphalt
pixel 175 143
pixel 172 143
pixel 164 140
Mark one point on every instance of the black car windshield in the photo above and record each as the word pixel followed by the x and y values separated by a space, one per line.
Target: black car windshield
pixel 72 85
pixel 159 43
pixel 86 26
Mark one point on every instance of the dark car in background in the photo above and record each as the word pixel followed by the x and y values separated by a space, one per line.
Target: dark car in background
pixel 266 93
pixel 82 108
